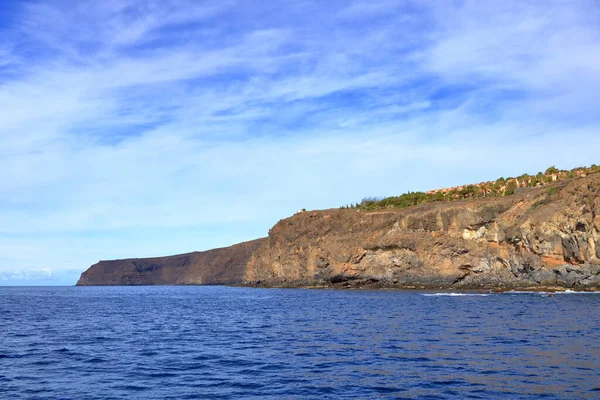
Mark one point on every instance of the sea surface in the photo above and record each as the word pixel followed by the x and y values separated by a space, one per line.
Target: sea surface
pixel 242 343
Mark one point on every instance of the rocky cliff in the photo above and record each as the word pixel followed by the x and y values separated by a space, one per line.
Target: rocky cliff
pixel 547 237
pixel 540 237
pixel 213 267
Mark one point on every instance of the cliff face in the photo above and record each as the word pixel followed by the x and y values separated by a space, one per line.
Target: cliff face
pixel 540 237
pixel 213 267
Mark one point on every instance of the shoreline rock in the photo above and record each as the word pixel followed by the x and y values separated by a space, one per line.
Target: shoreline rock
pixel 221 266
pixel 532 239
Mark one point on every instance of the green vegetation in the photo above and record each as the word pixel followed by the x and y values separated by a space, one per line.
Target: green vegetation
pixel 500 187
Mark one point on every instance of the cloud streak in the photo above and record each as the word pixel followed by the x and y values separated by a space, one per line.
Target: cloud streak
pixel 32 274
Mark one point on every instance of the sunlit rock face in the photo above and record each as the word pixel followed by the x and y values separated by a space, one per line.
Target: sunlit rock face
pixel 535 238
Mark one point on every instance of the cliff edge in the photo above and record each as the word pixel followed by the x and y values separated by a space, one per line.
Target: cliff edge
pixel 223 266
pixel 546 237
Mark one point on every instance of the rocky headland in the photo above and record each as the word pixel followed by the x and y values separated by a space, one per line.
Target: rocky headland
pixel 538 238
pixel 223 266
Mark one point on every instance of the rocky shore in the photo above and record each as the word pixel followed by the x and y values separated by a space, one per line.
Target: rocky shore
pixel 543 238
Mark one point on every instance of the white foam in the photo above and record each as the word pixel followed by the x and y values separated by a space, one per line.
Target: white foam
pixel 455 294
pixel 568 291
pixel 524 292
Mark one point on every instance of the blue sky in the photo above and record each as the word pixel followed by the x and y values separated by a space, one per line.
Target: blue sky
pixel 143 128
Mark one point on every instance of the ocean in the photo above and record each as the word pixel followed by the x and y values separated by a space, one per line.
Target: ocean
pixel 203 342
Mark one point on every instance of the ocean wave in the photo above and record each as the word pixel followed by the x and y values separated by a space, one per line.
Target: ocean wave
pixel 568 291
pixel 456 294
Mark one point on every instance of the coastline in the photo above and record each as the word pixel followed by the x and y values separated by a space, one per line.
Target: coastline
pixel 482 290
pixel 534 240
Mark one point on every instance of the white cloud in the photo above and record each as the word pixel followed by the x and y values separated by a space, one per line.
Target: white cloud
pixel 30 274
pixel 522 45
pixel 361 9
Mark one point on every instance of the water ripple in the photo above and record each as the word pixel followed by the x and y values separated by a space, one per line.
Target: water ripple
pixel 230 343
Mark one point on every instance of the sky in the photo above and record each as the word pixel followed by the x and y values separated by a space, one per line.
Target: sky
pixel 144 128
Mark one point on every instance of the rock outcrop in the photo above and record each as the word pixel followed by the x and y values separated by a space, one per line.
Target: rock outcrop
pixel 540 237
pixel 222 266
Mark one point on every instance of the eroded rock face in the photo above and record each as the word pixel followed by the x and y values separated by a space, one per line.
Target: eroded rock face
pixel 213 267
pixel 530 239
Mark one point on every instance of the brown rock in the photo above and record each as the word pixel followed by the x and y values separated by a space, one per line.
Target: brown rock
pixel 512 241
pixel 529 239
pixel 213 267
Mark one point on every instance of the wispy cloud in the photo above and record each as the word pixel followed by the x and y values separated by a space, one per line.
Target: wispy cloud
pixel 31 274
pixel 147 128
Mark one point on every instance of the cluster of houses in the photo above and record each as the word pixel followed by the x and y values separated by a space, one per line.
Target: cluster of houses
pixel 501 186
pixel 498 188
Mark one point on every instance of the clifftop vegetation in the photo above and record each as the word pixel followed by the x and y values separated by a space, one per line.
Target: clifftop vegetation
pixel 498 188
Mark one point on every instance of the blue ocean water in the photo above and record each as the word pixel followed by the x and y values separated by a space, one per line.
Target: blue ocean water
pixel 235 343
